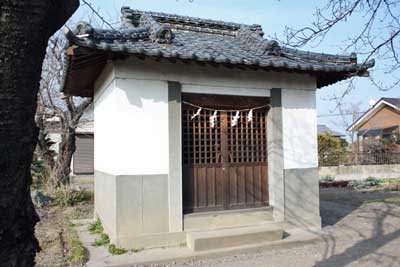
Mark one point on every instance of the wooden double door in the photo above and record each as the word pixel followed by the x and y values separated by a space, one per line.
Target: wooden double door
pixel 225 166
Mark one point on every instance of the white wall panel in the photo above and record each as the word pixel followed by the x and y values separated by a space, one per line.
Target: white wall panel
pixel 132 128
pixel 299 116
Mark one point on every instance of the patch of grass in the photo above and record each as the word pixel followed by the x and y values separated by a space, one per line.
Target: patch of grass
pixel 104 240
pixel 78 254
pixel 116 251
pixel 96 227
pixel 137 250
pixel 67 196
pixel 395 201
pixel 71 224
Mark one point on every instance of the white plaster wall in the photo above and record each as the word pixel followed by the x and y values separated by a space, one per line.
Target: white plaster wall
pixel 225 90
pixel 131 113
pixel 193 76
pixel 299 127
pixel 131 126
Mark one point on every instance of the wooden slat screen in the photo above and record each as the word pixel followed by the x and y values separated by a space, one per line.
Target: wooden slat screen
pixel 201 142
pixel 247 140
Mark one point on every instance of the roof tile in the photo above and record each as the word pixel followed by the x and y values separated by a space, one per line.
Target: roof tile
pixel 181 37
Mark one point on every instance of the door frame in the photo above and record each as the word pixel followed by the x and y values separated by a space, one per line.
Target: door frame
pixel 213 102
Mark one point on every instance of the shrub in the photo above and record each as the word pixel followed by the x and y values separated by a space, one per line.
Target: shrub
pixel 96 227
pixel 116 251
pixel 66 196
pixel 372 181
pixel 328 178
pixel 365 184
pixel 331 150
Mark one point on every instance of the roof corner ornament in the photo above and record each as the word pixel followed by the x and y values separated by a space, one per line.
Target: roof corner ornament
pixel 370 63
pixel 353 58
pixel 163 35
pixel 258 29
pixel 273 48
pixel 83 29
pixel 160 33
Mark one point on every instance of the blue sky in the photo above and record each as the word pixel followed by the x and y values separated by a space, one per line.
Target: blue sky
pixel 273 15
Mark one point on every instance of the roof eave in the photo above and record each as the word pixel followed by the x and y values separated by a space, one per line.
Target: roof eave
pixel 370 112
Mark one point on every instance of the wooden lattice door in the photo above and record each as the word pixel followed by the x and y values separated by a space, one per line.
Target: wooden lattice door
pixel 225 166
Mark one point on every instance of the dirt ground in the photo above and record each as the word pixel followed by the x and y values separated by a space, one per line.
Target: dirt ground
pixel 365 231
pixel 53 233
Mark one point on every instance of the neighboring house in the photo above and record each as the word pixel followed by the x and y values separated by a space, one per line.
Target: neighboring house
pixel 83 158
pixel 183 107
pixel 381 121
pixel 323 129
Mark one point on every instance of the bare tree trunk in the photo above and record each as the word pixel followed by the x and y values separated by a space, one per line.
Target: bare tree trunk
pixel 25 27
pixel 60 175
pixel 44 147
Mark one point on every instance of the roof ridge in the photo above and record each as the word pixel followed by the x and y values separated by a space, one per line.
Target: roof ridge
pixel 160 33
pixel 134 16
pixel 255 41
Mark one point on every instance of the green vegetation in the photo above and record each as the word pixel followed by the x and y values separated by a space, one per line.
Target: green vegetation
pixel 104 240
pixel 66 196
pixel 96 227
pixel 328 178
pixel 330 150
pixel 365 184
pixel 374 183
pixel 78 254
pixel 137 250
pixel 116 251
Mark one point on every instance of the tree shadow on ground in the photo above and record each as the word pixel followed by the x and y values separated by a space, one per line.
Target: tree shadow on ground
pixel 336 205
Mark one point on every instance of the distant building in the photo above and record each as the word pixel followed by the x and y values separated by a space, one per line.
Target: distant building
pixel 323 129
pixel 83 158
pixel 381 121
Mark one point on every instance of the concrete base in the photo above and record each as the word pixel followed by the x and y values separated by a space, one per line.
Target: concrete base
pixel 159 240
pixel 360 172
pixel 227 219
pixel 134 210
pixel 225 238
pixel 301 202
pixel 99 256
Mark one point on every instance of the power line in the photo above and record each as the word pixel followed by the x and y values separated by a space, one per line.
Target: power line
pixel 97 14
pixel 343 114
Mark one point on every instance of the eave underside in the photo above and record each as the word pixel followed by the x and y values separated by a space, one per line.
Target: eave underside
pixel 86 65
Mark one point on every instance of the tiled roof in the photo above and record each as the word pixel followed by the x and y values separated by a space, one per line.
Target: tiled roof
pixel 161 35
pixel 392 100
pixel 323 129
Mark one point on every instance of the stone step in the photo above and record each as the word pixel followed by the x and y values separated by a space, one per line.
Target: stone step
pixel 232 237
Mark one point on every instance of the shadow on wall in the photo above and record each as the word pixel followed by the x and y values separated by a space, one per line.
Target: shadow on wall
pixel 139 91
